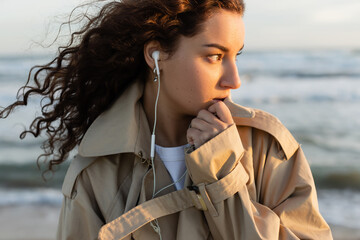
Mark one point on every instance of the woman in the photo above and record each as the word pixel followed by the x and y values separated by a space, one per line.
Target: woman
pixel 163 152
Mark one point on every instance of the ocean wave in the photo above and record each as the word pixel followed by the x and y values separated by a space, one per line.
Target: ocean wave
pixel 331 141
pixel 274 90
pixel 8 143
pixel 34 196
pixel 20 155
pixel 297 99
pixel 299 75
pixel 301 64
pixel 336 177
pixel 20 65
pixel 318 75
pixel 333 204
pixel 28 175
pixel 339 207
pixel 315 65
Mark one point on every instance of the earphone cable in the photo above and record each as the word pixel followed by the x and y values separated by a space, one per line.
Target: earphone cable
pixel 155 224
pixel 171 184
pixel 153 133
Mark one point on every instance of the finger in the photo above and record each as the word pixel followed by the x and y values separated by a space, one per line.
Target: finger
pixel 211 123
pixel 199 124
pixel 207 130
pixel 190 140
pixel 222 111
pixel 210 118
pixel 193 137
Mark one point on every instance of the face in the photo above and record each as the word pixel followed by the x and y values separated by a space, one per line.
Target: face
pixel 203 68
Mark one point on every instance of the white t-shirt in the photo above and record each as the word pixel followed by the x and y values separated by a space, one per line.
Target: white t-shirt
pixel 174 161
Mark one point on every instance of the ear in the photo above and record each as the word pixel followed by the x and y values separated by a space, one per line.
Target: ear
pixel 149 48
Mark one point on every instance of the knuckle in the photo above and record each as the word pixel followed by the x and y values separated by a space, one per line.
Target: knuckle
pixel 194 122
pixel 214 131
pixel 223 126
pixel 220 125
pixel 202 139
pixel 222 103
pixel 202 112
pixel 190 133
pixel 218 103
pixel 222 106
pixel 205 136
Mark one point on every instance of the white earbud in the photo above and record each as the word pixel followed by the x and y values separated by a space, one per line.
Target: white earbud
pixel 156 55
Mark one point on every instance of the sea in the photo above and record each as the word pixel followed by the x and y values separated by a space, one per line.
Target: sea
pixel 315 94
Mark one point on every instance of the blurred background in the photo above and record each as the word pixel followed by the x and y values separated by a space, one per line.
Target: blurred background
pixel 301 63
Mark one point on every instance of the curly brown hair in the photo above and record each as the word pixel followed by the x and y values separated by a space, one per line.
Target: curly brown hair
pixel 100 61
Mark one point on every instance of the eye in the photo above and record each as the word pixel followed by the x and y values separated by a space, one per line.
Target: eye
pixel 215 57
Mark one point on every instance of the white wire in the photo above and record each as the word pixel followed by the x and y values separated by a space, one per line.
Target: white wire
pixel 155 224
pixel 171 184
pixel 153 132
pixel 153 145
pixel 156 102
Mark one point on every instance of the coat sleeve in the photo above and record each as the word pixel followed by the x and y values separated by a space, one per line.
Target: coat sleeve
pixel 80 217
pixel 286 206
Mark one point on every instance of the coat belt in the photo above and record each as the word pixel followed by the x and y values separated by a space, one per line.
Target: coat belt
pixel 174 202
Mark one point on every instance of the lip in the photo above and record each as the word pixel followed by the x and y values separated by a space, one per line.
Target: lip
pixel 220 99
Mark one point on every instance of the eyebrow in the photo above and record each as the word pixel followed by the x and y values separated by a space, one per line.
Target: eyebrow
pixel 222 48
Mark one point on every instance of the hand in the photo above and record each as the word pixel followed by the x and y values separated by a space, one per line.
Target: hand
pixel 209 123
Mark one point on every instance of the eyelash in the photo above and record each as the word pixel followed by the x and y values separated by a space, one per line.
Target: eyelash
pixel 220 56
pixel 238 54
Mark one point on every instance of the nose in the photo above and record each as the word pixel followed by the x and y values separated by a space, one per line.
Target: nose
pixel 230 78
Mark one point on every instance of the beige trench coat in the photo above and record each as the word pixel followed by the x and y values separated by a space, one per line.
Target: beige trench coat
pixel 252 182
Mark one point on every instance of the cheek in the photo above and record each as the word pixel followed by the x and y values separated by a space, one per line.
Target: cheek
pixel 199 92
pixel 203 80
pixel 184 77
pixel 192 82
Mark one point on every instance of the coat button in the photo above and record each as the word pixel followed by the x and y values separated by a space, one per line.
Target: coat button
pixel 140 154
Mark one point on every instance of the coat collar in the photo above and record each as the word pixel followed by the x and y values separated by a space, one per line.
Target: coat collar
pixel 120 129
pixel 124 128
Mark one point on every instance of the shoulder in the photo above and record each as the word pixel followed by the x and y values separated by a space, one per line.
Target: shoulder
pixel 77 165
pixel 266 122
pixel 95 170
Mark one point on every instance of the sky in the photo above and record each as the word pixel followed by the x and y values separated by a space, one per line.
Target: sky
pixel 275 24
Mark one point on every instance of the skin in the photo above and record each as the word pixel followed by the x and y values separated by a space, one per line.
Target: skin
pixel 194 81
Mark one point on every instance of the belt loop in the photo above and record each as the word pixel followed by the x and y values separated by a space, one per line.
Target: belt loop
pixel 202 200
pixel 197 198
pixel 202 189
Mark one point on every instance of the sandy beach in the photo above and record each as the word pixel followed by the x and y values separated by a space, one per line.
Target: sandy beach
pixel 26 222
pixel 40 222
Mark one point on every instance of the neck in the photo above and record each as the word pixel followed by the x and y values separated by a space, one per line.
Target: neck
pixel 171 127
